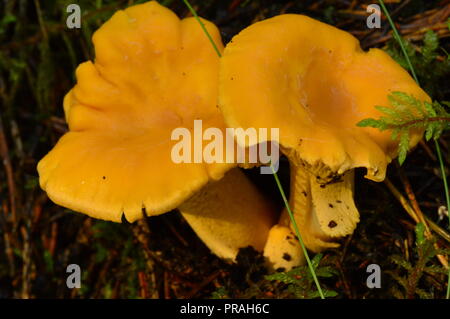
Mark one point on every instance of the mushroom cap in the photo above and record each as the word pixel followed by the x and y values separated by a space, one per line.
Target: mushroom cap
pixel 152 73
pixel 315 83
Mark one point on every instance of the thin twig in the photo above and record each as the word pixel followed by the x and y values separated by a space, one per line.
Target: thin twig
pixel 4 154
pixel 141 232
pixel 412 199
pixel 428 150
pixel 203 284
pixel 26 263
pixel 144 292
pixel 403 201
pixel 414 215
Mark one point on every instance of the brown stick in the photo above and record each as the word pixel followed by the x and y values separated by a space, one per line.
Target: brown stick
pixel 141 232
pixel 203 284
pixel 4 153
pixel 144 292
pixel 26 266
pixel 411 212
pixel 412 199
pixel 428 150
pixel 416 207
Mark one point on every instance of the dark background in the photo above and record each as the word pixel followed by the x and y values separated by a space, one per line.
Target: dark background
pixel 161 257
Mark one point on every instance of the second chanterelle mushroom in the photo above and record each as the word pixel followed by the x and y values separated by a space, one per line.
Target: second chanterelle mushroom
pixel 315 83
pixel 152 74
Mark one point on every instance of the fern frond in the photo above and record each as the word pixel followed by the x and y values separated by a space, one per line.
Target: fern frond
pixel 300 280
pixel 406 112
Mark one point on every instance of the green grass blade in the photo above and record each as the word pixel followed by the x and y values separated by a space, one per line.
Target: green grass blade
pixel 286 203
pixel 194 13
pixel 297 232
pixel 399 40
pixel 447 197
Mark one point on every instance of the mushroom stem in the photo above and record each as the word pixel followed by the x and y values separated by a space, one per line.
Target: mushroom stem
pixel 282 249
pixel 230 214
pixel 323 212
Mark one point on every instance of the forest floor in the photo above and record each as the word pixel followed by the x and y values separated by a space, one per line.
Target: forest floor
pixel 161 257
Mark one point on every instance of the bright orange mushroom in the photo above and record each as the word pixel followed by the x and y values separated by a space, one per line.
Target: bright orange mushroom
pixel 152 74
pixel 314 83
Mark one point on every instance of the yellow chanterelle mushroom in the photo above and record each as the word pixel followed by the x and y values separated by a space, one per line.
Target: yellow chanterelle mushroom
pixel 314 83
pixel 152 73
